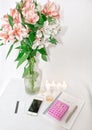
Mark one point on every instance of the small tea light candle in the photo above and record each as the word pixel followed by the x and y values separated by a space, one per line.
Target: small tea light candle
pixel 59 85
pixel 49 98
pixel 50 89
pixel 47 84
pixel 64 85
pixel 52 84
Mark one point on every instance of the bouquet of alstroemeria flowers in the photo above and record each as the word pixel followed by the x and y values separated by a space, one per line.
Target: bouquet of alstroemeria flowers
pixel 33 27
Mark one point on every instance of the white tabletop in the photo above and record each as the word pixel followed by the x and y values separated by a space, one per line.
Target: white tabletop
pixel 14 91
pixel 71 62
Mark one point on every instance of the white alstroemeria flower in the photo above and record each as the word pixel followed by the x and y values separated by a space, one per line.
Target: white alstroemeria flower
pixel 57 22
pixel 53 26
pixel 56 29
pixel 46 36
pixel 43 43
pixel 59 39
pixel 54 32
pixel 36 44
pixel 39 34
pixel 41 46
pixel 47 44
pixel 46 23
pixel 47 31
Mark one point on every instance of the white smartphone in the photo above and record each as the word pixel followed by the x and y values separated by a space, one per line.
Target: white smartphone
pixel 35 106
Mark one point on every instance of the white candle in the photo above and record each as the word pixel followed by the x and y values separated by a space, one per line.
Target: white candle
pixel 64 86
pixel 53 84
pixel 59 85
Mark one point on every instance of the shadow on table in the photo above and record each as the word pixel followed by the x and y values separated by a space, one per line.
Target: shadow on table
pixel 89 90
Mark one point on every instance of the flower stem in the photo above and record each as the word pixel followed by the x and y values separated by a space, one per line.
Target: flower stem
pixel 31 66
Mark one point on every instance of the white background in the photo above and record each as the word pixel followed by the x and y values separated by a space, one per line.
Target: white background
pixel 71 61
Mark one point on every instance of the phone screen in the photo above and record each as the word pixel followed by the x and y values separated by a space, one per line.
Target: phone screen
pixel 36 103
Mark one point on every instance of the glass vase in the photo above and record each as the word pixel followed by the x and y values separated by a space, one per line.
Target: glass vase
pixel 32 82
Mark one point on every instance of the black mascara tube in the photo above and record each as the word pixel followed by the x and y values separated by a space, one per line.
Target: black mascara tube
pixel 16 107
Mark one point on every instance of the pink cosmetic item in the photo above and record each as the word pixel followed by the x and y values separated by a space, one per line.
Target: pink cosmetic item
pixel 58 109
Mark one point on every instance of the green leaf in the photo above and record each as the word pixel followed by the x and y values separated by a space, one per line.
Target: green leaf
pixel 1 44
pixel 22 18
pixel 35 3
pixel 32 37
pixel 44 57
pixel 42 51
pixel 16 40
pixel 10 19
pixel 10 49
pixel 50 19
pixel 1 29
pixel 37 26
pixel 19 47
pixel 53 40
pixel 42 19
pixel 22 59
pixel 26 71
pixel 18 7
pixel 24 47
pixel 19 55
pixel 31 26
pixel 33 53
pixel 27 41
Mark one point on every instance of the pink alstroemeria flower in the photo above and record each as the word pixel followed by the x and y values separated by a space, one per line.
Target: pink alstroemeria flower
pixel 31 17
pixel 15 15
pixel 5 18
pixel 6 27
pixel 6 37
pixel 29 12
pixel 51 9
pixel 28 6
pixel 19 32
pixel 8 34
